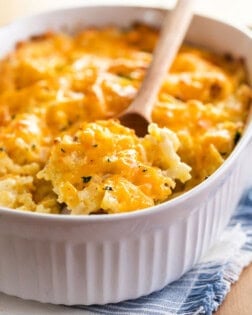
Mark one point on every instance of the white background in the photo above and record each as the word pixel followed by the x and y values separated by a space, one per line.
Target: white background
pixel 238 10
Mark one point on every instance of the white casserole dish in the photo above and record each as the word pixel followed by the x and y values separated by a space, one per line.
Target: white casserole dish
pixel 100 259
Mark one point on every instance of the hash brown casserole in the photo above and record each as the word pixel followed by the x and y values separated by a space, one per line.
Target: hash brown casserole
pixel 61 151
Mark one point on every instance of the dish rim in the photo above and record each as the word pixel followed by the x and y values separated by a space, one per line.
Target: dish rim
pixel 164 206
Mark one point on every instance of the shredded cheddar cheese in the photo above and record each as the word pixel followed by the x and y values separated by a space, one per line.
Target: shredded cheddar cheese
pixel 106 166
pixel 62 151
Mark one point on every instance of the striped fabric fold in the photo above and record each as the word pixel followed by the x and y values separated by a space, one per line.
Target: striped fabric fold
pixel 203 288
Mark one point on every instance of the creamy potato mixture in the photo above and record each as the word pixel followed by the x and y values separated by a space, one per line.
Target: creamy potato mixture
pixel 62 150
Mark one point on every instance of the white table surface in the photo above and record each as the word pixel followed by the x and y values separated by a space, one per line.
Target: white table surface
pixel 238 11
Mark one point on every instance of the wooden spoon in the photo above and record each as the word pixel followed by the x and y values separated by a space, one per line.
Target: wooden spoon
pixel 138 115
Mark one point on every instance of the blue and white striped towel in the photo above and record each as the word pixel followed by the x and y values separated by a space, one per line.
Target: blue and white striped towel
pixel 201 290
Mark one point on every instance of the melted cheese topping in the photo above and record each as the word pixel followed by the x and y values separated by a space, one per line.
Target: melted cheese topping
pixel 61 152
pixel 105 166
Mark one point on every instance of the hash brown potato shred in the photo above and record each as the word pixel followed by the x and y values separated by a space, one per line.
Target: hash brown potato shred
pixel 62 151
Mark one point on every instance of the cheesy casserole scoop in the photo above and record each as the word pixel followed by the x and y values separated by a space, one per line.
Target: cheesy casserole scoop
pixel 104 166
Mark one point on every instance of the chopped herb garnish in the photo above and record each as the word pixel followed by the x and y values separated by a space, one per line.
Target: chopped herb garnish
pixel 86 179
pixel 33 146
pixel 144 170
pixel 124 76
pixel 95 145
pixel 108 160
pixel 62 150
pixel 108 188
pixel 237 137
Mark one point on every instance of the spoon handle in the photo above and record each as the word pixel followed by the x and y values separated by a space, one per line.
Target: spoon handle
pixel 173 31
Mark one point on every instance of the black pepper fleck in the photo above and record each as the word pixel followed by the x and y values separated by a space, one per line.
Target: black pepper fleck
pixel 86 179
pixel 237 137
pixel 108 188
pixel 215 90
